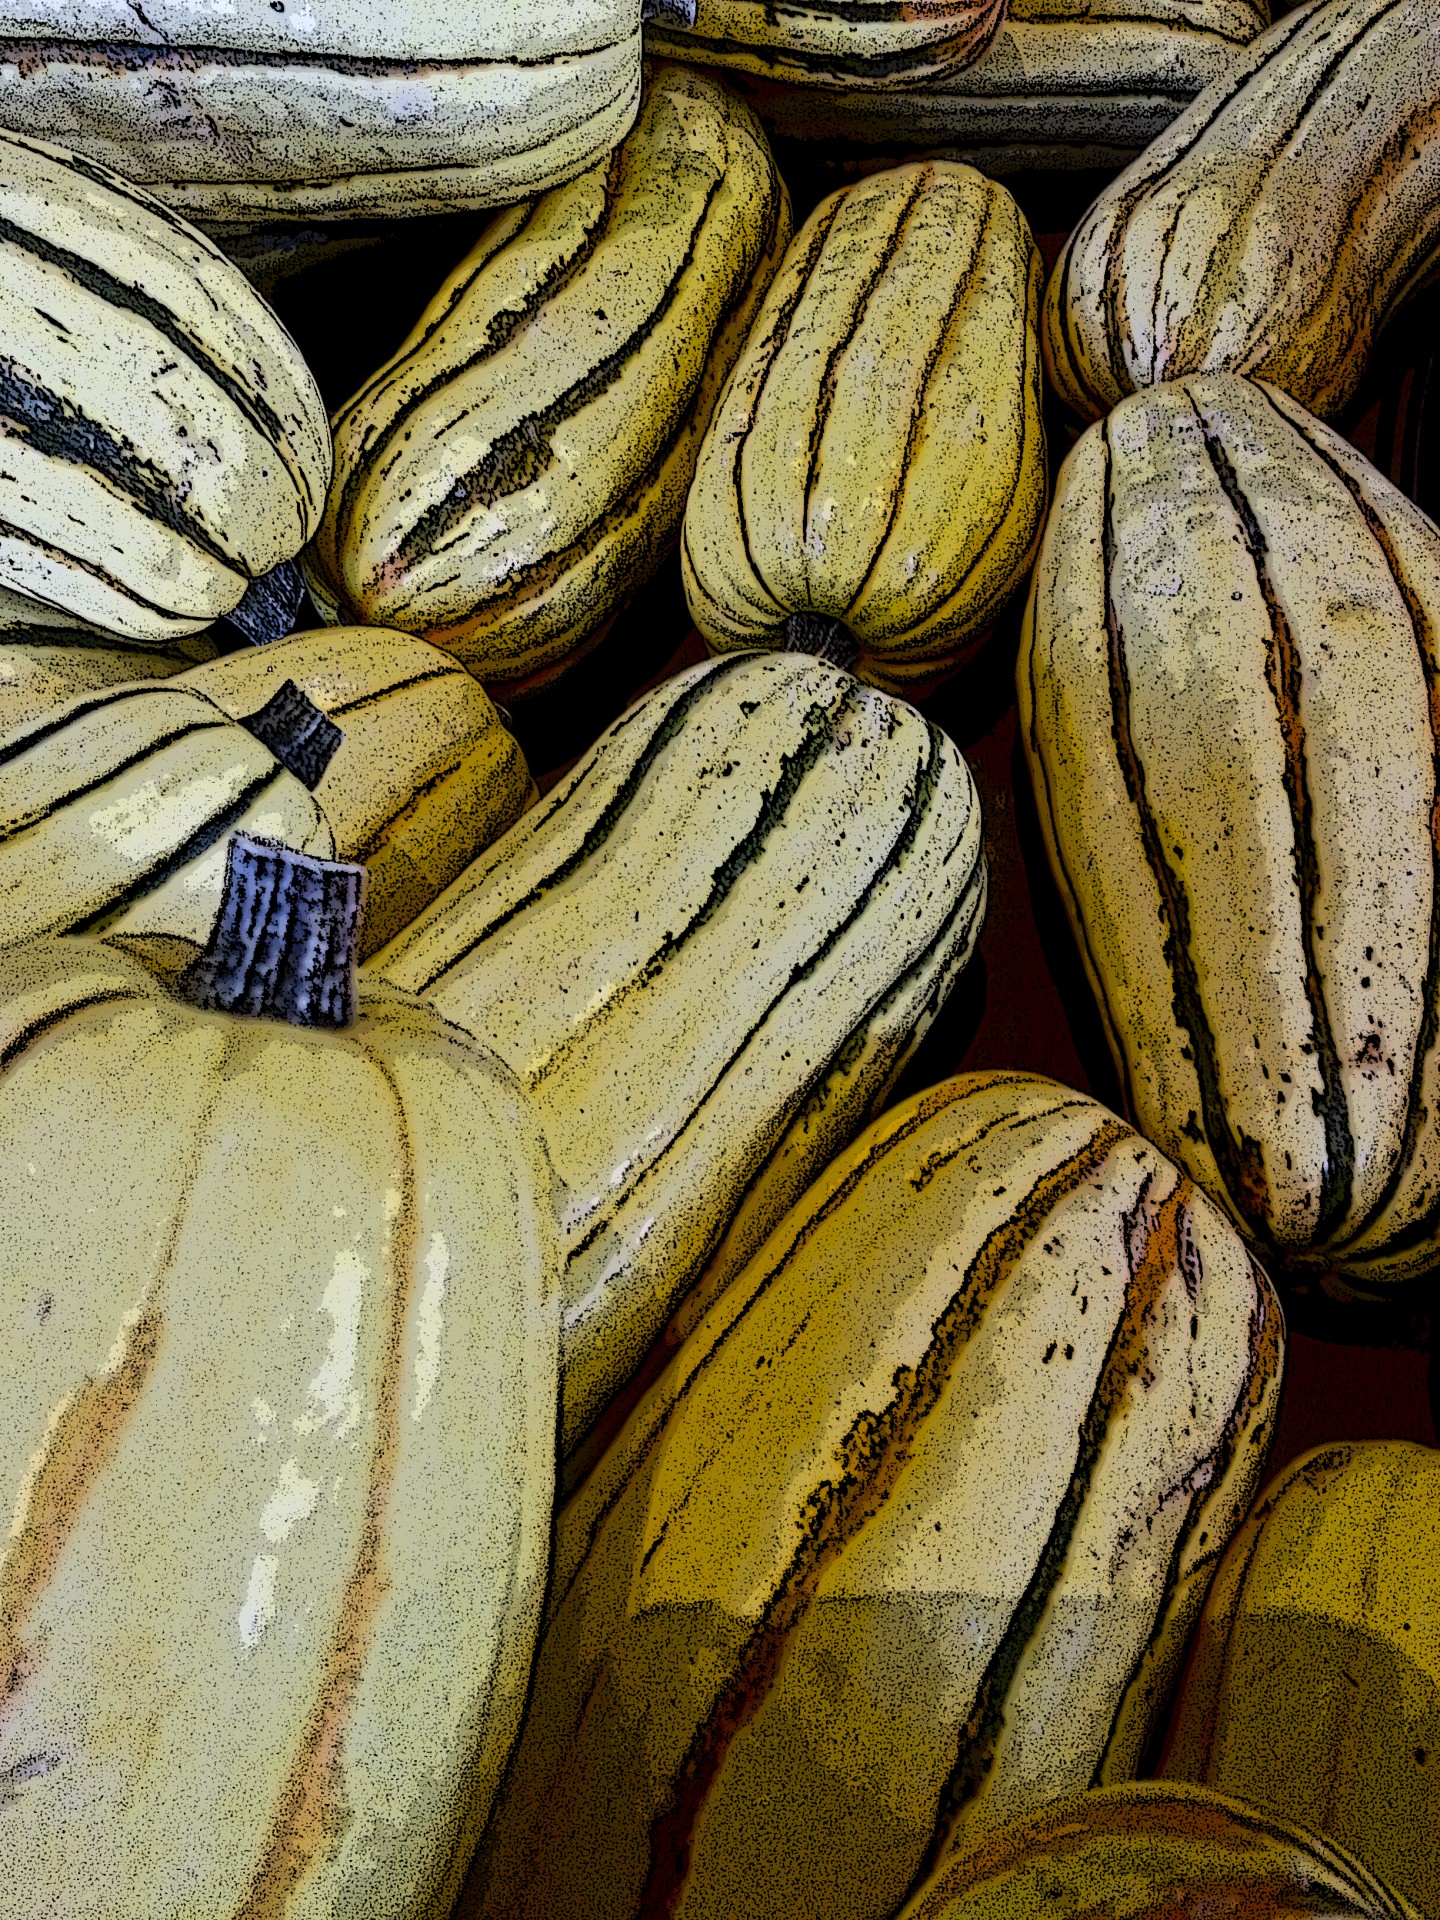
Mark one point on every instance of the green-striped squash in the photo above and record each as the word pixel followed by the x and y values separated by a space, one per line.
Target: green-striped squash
pixel 164 441
pixel 707 953
pixel 1143 1852
pixel 114 809
pixel 908 1537
pixel 1085 85
pixel 878 457
pixel 1274 226
pixel 426 775
pixel 819 43
pixel 42 667
pixel 1314 1685
pixel 520 466
pixel 277 1356
pixel 1230 702
pixel 257 110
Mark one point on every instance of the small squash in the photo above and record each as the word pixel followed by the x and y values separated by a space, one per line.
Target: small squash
pixel 817 43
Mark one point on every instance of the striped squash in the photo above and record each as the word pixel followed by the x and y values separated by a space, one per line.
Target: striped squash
pixel 114 809
pixel 1314 1685
pixel 520 466
pixel 1275 225
pixel 878 457
pixel 279 1389
pixel 907 1538
pixel 1075 86
pixel 42 667
pixel 1143 1852
pixel 1230 702
pixel 164 441
pixel 255 110
pixel 426 775
pixel 819 43
pixel 707 954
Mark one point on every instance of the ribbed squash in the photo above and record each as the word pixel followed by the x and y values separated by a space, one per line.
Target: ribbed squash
pixel 906 1539
pixel 279 1390
pixel 1276 224
pixel 1314 1685
pixel 1230 701
pixel 257 110
pixel 878 458
pixel 164 441
pixel 42 667
pixel 1143 1852
pixel 520 466
pixel 859 43
pixel 1070 86
pixel 426 775
pixel 114 809
pixel 707 953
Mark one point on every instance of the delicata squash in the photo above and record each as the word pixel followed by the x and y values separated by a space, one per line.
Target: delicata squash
pixel 817 43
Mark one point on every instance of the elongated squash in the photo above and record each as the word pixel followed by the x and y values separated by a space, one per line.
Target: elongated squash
pixel 521 465
pixel 1143 1852
pixel 907 1538
pixel 859 43
pixel 114 809
pixel 426 775
pixel 878 458
pixel 1314 1686
pixel 1274 226
pixel 707 954
pixel 279 1389
pixel 1229 690
pixel 164 441
pixel 42 667
pixel 255 110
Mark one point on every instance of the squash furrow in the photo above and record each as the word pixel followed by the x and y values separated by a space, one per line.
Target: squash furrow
pixel 47 803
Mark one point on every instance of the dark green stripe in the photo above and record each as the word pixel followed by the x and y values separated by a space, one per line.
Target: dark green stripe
pixel 109 773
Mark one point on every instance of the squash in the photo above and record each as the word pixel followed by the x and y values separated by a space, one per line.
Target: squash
pixel 1088 85
pixel 114 808
pixel 426 775
pixel 817 43
pixel 279 1388
pixel 707 953
pixel 907 1538
pixel 520 466
pixel 1144 1852
pixel 878 457
pixel 257 111
pixel 41 667
pixel 1230 702
pixel 1314 1684
pixel 165 444
pixel 1276 224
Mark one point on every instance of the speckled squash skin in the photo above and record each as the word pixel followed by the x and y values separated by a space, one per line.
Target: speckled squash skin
pixel 803 1594
pixel 520 466
pixel 279 1388
pixel 1229 686
pixel 332 109
pixel 1273 227
pixel 1144 1852
pixel 426 775
pixel 878 456
pixel 1314 1684
pixel 815 43
pixel 707 953
pixel 41 667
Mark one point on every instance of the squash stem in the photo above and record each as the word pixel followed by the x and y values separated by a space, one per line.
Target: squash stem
pixel 301 737
pixel 827 639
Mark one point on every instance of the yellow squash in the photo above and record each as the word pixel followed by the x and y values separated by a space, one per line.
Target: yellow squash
pixel 1147 1852
pixel 859 43
pixel 41 667
pixel 520 467
pixel 1314 1685
pixel 707 953
pixel 1275 225
pixel 878 458
pixel 248 111
pixel 907 1538
pixel 1230 701
pixel 425 776
pixel 277 1357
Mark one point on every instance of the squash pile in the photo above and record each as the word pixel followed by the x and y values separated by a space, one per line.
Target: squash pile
pixel 558 1358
